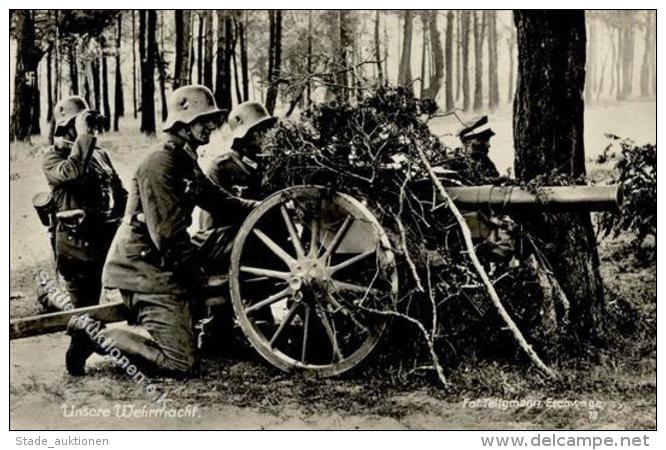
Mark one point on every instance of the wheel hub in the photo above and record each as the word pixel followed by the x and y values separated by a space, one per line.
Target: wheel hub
pixel 309 276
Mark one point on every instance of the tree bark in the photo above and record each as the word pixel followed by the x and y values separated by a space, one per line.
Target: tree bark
pixel 591 68
pixel 424 49
pixel 182 52
pixel 493 85
pixel 96 88
pixel 243 56
pixel 342 79
pixel 450 104
pixel 308 87
pixel 465 29
pixel 511 43
pixel 458 57
pixel 26 93
pixel 147 50
pixel 106 106
pixel 200 35
pixel 275 55
pixel 239 95
pixel 73 68
pixel 435 82
pixel 378 54
pixel 134 96
pixel 162 69
pixel 119 98
pixel 405 68
pixel 548 135
pixel 223 75
pixel 49 84
pixel 478 62
pixel 208 51
pixel 648 49
pixel 628 62
pixel 56 58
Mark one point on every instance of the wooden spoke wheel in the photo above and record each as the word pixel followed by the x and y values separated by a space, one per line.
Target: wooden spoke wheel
pixel 308 268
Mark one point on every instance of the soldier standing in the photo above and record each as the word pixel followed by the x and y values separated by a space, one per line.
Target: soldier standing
pixel 88 199
pixel 152 261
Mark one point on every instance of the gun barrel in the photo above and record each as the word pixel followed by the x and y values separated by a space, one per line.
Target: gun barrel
pixel 546 198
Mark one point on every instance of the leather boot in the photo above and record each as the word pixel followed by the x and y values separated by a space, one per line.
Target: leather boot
pixel 81 346
pixel 141 351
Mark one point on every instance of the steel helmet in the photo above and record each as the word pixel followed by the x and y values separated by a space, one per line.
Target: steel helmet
pixel 189 103
pixel 246 116
pixel 66 110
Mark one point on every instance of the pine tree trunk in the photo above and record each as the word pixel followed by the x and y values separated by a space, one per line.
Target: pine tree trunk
pixel 26 93
pixel 118 98
pixel 239 95
pixel 96 85
pixel 424 48
pixel 223 74
pixel 49 84
pixel 548 136
pixel 274 52
pixel 243 57
pixel 465 29
pixel 648 46
pixel 591 69
pixel 435 82
pixel 199 48
pixel 208 49
pixel 405 68
pixel 134 71
pixel 147 50
pixel 512 76
pixel 182 52
pixel 229 54
pixel 628 65
pixel 73 68
pixel 106 108
pixel 161 69
pixel 493 85
pixel 450 104
pixel 378 54
pixel 458 57
pixel 57 89
pixel 192 51
pixel 343 55
pixel 478 62
pixel 308 87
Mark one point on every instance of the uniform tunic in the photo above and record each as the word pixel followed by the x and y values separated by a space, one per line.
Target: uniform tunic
pixel 81 176
pixel 152 251
pixel 236 174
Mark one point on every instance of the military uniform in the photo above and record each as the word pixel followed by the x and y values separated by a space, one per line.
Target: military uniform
pixel 153 261
pixel 476 139
pixel 237 170
pixel 89 200
pixel 237 174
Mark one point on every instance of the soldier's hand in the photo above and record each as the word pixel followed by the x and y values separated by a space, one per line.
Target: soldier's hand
pixel 85 124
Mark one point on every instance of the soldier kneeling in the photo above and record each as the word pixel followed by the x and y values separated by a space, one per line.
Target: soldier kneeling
pixel 153 262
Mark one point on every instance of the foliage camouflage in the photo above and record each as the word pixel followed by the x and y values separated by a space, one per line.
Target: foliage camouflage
pixel 636 172
pixel 356 148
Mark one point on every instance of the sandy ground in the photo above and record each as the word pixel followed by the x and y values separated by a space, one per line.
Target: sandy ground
pixel 241 394
pixel 244 393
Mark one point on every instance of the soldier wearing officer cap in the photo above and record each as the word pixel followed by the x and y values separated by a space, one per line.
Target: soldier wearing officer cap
pixel 88 199
pixel 239 169
pixel 476 140
pixel 153 262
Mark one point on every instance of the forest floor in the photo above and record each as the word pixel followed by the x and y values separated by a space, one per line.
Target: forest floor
pixel 239 391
